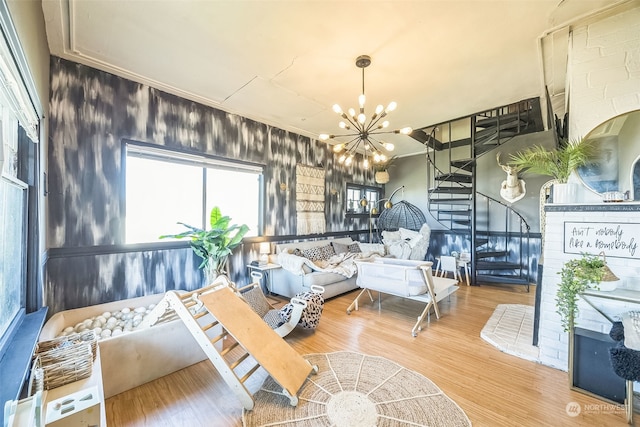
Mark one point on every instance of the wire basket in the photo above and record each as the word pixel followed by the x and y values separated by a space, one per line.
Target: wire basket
pixel 88 337
pixel 608 275
pixel 63 360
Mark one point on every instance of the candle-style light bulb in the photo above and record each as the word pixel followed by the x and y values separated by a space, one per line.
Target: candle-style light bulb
pixel 392 106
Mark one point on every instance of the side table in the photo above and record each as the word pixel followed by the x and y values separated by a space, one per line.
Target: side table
pixel 265 269
pixel 460 264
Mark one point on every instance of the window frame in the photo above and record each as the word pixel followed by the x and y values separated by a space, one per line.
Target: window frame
pixel 364 192
pixel 189 158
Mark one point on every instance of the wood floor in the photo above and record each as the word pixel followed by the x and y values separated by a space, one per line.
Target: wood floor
pixel 493 388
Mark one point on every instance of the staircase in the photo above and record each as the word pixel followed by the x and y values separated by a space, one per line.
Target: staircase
pixel 499 234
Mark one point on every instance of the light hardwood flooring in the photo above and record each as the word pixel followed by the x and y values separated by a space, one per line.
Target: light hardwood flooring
pixel 493 388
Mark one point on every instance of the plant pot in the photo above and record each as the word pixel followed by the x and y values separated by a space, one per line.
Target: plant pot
pixel 608 286
pixel 565 192
pixel 214 268
pixel 382 177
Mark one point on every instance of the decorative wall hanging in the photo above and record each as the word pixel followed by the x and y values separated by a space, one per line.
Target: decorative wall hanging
pixel 512 188
pixel 310 200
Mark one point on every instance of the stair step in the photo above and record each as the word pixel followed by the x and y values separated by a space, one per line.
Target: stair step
pixel 480 242
pixel 491 254
pixel 507 121
pixel 497 265
pixel 451 190
pixel 490 137
pixel 451 201
pixel 426 139
pixel 455 177
pixel 507 278
pixel 464 164
pixel 465 222
pixel 459 212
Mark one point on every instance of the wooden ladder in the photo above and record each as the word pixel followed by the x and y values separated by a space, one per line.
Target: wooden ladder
pixel 214 313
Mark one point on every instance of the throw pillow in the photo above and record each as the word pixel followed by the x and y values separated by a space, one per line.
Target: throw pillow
pixel 354 248
pixel 390 236
pixel 412 237
pixel 319 253
pixel 340 248
pixel 310 315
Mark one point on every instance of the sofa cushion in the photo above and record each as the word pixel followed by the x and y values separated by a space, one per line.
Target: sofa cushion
pixel 321 278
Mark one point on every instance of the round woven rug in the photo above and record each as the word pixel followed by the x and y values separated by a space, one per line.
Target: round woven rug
pixel 354 390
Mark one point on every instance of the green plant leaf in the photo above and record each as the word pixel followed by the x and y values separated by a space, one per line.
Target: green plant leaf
pixel 559 163
pixel 215 244
pixel 576 276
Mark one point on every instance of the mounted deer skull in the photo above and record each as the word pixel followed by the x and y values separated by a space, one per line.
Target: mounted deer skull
pixel 512 189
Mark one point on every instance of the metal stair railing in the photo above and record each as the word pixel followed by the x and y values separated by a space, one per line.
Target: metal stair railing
pixel 520 232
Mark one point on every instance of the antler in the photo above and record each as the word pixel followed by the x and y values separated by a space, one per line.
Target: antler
pixel 507 168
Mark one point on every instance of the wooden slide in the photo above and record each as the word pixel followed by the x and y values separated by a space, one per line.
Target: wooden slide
pixel 215 312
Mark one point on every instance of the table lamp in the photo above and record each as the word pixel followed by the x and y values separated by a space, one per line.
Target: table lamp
pixel 265 250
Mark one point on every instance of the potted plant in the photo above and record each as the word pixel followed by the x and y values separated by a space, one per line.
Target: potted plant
pixel 578 275
pixel 559 163
pixel 382 170
pixel 215 244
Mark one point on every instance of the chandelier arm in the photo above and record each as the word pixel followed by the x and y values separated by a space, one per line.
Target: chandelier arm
pixel 354 148
pixel 372 139
pixel 353 123
pixel 374 122
pixel 349 134
pixel 348 146
pixel 382 132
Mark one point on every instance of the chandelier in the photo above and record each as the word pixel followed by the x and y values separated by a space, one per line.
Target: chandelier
pixel 365 133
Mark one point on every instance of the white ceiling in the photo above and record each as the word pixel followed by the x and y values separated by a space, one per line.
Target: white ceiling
pixel 286 63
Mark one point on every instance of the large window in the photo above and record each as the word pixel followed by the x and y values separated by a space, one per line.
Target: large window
pixel 13 199
pixel 20 110
pixel 164 187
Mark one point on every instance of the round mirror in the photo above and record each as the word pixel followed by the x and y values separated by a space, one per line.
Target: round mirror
pixel 617 167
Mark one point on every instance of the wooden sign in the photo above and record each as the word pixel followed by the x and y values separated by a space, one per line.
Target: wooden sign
pixel 616 240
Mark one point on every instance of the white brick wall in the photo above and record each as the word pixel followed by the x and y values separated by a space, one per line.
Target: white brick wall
pixel 604 70
pixel 552 340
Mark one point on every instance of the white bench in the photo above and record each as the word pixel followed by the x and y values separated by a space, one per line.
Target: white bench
pixel 406 279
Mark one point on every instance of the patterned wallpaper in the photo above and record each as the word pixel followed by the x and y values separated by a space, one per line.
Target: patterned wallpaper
pixel 90 113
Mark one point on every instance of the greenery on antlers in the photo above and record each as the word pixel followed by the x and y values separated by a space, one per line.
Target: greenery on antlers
pixel 559 163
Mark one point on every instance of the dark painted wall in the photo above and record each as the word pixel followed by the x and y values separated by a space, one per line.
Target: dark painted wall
pixel 90 113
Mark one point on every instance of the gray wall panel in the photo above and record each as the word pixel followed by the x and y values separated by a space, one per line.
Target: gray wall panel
pixel 90 113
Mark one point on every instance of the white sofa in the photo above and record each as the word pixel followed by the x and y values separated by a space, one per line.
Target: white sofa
pixel 297 276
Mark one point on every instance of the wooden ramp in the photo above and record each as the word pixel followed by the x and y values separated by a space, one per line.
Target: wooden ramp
pixel 216 312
